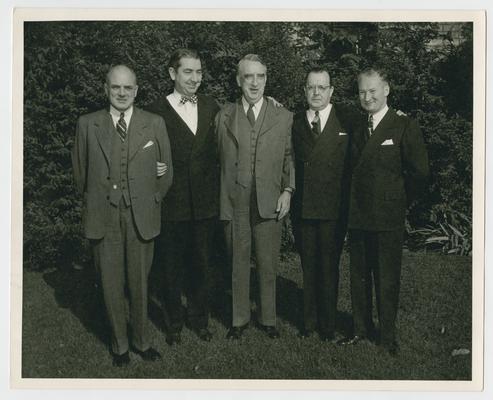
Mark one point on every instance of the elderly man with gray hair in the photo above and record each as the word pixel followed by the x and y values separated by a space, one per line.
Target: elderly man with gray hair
pixel 257 181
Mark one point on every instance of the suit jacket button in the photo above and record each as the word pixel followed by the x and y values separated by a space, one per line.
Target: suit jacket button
pixel 107 197
pixel 115 187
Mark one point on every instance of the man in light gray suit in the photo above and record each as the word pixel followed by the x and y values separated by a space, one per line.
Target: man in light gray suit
pixel 114 158
pixel 257 180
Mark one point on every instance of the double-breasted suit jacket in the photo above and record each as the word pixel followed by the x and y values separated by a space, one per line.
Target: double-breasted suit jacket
pixel 148 143
pixel 194 194
pixel 321 166
pixel 319 214
pixel 388 172
pixel 190 213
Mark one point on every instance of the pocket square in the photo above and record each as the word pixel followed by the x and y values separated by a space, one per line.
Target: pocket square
pixel 342 134
pixel 388 142
pixel 149 143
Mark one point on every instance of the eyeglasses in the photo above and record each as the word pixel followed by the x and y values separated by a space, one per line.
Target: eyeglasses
pixel 319 88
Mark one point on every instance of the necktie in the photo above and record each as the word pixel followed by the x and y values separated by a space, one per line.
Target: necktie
pixel 370 127
pixel 121 127
pixel 316 124
pixel 192 99
pixel 251 115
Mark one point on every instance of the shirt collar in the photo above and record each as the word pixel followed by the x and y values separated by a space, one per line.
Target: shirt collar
pixel 116 113
pixel 257 106
pixel 378 116
pixel 323 114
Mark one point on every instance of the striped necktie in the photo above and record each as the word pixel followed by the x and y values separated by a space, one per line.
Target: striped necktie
pixel 121 127
pixel 316 124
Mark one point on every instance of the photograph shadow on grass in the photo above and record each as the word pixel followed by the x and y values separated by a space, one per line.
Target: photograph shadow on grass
pixel 78 291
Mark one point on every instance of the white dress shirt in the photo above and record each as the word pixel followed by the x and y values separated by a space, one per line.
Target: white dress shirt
pixel 322 114
pixel 115 115
pixel 256 107
pixel 378 116
pixel 188 111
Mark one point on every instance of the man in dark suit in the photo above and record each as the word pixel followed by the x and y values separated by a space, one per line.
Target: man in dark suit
pixel 191 207
pixel 319 212
pixel 390 168
pixel 114 160
pixel 257 181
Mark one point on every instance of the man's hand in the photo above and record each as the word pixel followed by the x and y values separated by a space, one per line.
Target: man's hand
pixel 161 168
pixel 283 204
pixel 275 102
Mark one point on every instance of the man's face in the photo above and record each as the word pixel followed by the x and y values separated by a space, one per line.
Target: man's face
pixel 121 88
pixel 252 77
pixel 188 76
pixel 318 90
pixel 373 92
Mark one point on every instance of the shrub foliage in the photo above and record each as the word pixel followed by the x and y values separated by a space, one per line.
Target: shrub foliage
pixel 65 65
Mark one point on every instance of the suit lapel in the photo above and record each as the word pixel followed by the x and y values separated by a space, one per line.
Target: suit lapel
pixel 231 121
pixel 270 119
pixel 377 137
pixel 136 132
pixel 328 139
pixel 104 128
pixel 203 125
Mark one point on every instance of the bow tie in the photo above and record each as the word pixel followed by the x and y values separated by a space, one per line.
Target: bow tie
pixel 192 99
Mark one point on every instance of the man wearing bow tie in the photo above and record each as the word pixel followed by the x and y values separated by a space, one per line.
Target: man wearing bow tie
pixel 191 207
pixel 114 160
pixel 319 213
pixel 257 180
pixel 389 170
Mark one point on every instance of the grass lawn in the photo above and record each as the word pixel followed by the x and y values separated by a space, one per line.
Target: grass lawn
pixel 65 333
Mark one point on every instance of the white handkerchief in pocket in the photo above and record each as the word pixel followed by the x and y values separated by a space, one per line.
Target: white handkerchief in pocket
pixel 148 144
pixel 342 134
pixel 388 142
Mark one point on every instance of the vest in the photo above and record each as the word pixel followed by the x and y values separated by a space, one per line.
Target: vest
pixel 119 168
pixel 247 145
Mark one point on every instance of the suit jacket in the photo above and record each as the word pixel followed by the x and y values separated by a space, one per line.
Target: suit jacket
pixel 274 169
pixel 322 166
pixel 148 143
pixel 195 190
pixel 386 178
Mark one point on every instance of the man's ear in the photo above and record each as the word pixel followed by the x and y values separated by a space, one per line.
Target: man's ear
pixel 238 80
pixel 172 73
pixel 386 89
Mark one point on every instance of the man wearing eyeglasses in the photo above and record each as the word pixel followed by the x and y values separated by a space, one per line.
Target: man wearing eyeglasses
pixel 257 181
pixel 114 160
pixel 319 213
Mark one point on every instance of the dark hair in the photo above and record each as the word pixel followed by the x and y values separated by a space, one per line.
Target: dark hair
pixel 178 54
pixel 375 70
pixel 250 57
pixel 317 69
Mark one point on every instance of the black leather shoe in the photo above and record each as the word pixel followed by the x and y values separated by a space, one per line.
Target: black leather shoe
pixel 120 360
pixel 204 334
pixel 173 338
pixel 149 355
pixel 235 332
pixel 327 336
pixel 351 341
pixel 305 334
pixel 271 331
